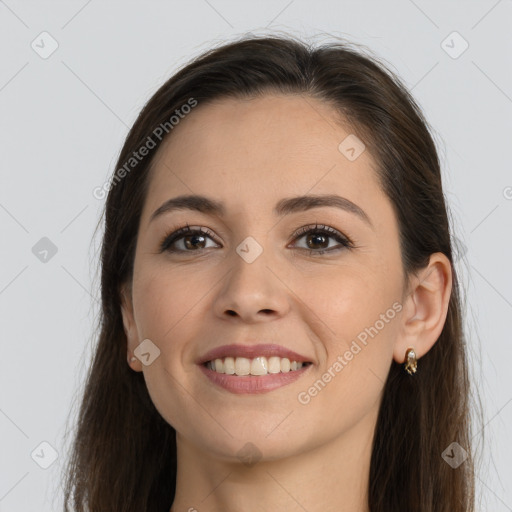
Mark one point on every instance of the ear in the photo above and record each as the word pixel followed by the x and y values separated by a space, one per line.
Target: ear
pixel 425 308
pixel 130 328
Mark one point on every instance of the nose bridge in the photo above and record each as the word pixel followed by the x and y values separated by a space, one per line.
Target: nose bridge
pixel 250 288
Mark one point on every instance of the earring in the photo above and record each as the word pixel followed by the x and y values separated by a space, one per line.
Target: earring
pixel 132 359
pixel 411 363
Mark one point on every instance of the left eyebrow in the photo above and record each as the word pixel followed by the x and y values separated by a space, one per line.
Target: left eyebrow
pixel 302 203
pixel 285 206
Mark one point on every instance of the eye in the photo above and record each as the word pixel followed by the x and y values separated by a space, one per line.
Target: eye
pixel 195 239
pixel 192 239
pixel 319 235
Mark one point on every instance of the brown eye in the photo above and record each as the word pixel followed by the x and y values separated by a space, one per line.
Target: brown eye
pixel 317 239
pixel 314 240
pixel 186 240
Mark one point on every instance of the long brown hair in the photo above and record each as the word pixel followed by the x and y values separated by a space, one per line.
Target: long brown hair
pixel 124 454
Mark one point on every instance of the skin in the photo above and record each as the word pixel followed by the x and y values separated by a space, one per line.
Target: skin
pixel 250 154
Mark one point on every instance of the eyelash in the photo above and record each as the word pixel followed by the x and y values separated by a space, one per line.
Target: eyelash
pixel 345 242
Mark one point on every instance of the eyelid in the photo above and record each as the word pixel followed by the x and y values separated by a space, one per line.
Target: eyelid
pixel 176 234
pixel 323 228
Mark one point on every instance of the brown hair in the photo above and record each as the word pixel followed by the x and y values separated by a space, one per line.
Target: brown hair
pixel 124 454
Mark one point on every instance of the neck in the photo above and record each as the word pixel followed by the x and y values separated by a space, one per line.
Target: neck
pixel 332 476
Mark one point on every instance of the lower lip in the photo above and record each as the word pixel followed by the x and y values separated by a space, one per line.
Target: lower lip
pixel 253 384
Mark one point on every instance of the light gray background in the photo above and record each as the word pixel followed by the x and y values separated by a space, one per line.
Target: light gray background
pixel 64 118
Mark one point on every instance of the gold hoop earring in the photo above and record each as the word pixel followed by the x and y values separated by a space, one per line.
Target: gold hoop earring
pixel 411 363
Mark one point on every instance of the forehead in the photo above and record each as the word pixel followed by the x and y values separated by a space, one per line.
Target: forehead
pixel 246 151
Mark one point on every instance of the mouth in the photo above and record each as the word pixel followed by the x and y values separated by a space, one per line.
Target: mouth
pixel 240 375
pixel 244 368
pixel 257 366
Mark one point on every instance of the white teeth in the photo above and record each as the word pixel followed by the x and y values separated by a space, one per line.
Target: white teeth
pixel 242 366
pixel 229 365
pixel 257 366
pixel 274 364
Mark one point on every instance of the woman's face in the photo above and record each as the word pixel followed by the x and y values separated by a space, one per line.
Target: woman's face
pixel 256 277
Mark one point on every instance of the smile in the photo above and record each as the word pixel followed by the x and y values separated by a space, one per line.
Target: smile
pixel 261 365
pixel 246 382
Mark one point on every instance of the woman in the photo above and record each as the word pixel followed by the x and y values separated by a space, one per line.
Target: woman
pixel 281 322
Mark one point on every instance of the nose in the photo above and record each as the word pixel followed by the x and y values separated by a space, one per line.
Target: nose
pixel 252 292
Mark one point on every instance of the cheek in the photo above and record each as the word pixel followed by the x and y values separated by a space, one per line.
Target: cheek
pixel 163 298
pixel 355 319
pixel 357 358
pixel 347 300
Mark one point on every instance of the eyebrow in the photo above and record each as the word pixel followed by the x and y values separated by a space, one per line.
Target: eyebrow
pixel 283 207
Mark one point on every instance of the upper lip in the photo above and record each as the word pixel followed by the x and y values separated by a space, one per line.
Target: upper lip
pixel 250 352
